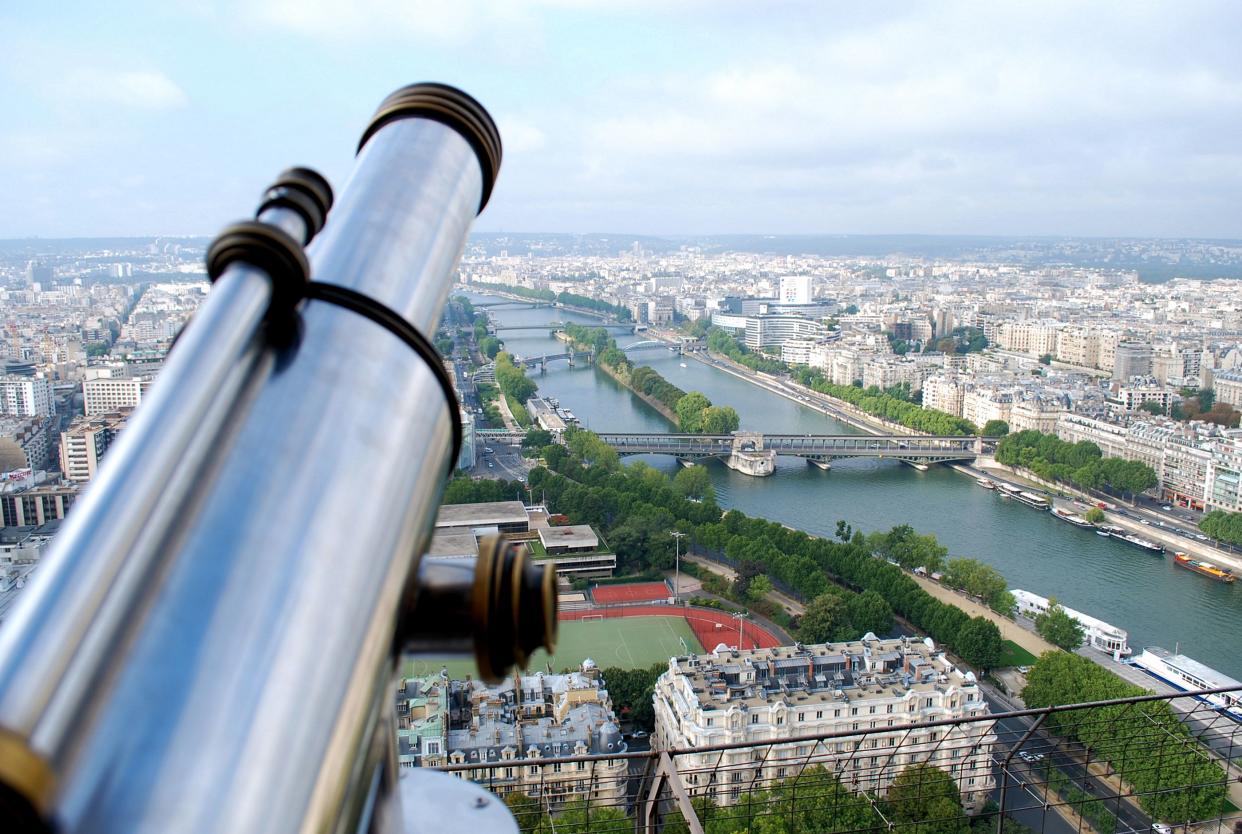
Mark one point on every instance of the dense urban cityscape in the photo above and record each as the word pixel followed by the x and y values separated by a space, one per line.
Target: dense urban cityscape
pixel 1104 401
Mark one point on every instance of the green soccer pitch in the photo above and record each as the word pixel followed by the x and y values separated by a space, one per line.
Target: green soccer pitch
pixel 627 642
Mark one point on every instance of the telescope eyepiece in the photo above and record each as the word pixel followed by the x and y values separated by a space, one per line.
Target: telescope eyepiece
pixel 453 108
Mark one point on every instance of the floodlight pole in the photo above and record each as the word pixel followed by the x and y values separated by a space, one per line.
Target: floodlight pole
pixel 677 537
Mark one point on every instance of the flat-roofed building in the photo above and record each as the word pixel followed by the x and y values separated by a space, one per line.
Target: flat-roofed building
pixel 572 538
pixel 503 516
pixel 875 688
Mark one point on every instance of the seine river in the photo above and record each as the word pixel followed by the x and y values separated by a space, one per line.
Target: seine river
pixel 1150 598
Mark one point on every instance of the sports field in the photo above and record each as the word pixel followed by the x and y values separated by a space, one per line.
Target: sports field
pixel 628 642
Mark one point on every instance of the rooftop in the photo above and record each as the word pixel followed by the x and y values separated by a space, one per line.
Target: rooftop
pixel 488 514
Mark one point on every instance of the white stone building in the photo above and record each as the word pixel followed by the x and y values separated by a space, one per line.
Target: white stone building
pixel 876 688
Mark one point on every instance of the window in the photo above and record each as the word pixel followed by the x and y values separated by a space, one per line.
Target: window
pixel 582 765
pixel 853 710
pixel 836 713
pixel 802 716
pixel 556 768
pixel 871 711
pixel 889 709
pixel 709 722
pixel 754 718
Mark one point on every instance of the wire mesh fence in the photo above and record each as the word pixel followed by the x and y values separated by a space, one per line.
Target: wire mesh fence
pixel 1154 763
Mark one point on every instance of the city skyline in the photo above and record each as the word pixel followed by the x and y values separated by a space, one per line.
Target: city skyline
pixel 1110 121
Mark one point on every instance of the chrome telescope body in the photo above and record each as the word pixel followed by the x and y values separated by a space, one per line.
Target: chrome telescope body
pixel 212 642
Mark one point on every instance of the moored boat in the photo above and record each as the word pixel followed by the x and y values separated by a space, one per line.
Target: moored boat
pixel 1203 568
pixel 986 483
pixel 1039 502
pixel 1146 544
pixel 1072 518
pixel 1188 675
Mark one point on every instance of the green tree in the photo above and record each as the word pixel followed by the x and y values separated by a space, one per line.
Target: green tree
pixel 925 800
pixel 631 691
pixel 526 811
pixel 1046 359
pixel 1095 515
pixel 823 616
pixel 690 410
pixel 1151 407
pixel 720 419
pixel 995 428
pixel 759 588
pixel 694 482
pixel 980 643
pixel 536 439
pixel 489 346
pixel 844 531
pixel 1059 628
pixel 869 612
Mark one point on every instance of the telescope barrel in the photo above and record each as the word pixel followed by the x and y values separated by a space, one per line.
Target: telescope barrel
pixel 221 663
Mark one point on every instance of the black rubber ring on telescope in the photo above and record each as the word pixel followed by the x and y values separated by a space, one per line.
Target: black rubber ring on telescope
pixel 268 248
pixel 450 107
pixel 397 325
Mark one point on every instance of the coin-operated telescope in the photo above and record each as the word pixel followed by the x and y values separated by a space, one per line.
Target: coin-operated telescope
pixel 212 643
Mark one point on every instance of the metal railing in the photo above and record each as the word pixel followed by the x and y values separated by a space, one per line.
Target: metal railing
pixel 1007 768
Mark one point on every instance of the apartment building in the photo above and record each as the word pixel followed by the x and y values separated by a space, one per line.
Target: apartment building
pixel 107 394
pixel 980 405
pixel 508 728
pixel 33 506
pixel 1228 388
pixel 1224 478
pixel 23 396
pixel 83 444
pixel 944 393
pixel 875 688
pixel 24 442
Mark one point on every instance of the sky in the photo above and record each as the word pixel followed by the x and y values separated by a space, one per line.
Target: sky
pixel 169 117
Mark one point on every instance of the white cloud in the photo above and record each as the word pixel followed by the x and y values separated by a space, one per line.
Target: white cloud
pixel 137 89
pixel 520 135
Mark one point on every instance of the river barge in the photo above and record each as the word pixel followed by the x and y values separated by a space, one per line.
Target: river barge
pixel 1203 568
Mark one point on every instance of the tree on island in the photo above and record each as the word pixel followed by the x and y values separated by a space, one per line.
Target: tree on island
pixel 1059 628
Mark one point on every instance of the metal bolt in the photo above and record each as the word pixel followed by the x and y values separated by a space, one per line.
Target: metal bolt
pixel 480 802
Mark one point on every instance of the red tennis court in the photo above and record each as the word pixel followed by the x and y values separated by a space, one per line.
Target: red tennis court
pixel 709 626
pixel 635 592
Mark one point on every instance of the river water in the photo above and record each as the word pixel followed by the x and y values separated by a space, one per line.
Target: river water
pixel 1154 601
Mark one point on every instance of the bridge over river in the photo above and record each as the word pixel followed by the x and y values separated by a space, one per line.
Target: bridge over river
pixel 754 453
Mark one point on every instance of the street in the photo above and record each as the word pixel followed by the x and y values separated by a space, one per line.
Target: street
pixel 1066 757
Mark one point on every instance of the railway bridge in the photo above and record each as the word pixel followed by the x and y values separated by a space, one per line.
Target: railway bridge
pixel 754 453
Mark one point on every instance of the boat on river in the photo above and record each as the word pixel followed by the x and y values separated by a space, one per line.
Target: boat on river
pixel 985 483
pixel 1035 500
pixel 1124 535
pixel 1072 518
pixel 1203 568
pixel 1189 675
pixel 1146 544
